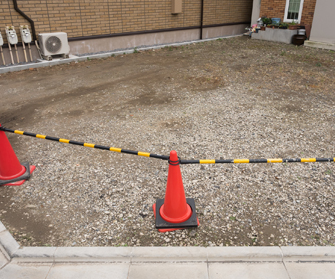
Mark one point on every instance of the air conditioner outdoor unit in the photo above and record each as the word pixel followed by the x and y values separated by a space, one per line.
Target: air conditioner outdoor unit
pixel 54 44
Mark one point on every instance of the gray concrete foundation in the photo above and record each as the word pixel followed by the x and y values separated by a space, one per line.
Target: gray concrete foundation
pixel 322 45
pixel 275 35
pixel 168 37
pixel 110 44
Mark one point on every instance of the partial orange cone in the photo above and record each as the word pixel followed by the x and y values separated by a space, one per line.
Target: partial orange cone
pixel 12 173
pixel 175 211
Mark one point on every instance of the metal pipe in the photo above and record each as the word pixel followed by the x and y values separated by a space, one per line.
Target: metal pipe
pixel 17 54
pixel 202 19
pixel 3 58
pixel 151 31
pixel 24 51
pixel 31 56
pixel 32 24
pixel 11 54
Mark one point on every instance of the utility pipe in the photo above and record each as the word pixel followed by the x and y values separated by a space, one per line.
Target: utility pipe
pixel 202 19
pixel 91 37
pixel 32 24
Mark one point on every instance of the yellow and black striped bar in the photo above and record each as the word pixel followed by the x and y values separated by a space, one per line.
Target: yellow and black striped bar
pixel 163 157
pixel 91 145
pixel 257 161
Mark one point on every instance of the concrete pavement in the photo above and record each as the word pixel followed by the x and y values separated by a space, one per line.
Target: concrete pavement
pixel 163 262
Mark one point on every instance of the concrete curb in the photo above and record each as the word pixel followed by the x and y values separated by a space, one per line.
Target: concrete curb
pixel 161 254
pixel 35 65
pixel 308 253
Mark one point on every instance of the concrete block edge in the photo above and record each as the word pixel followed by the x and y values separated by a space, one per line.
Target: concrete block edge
pixel 308 253
pixel 8 243
pixel 164 254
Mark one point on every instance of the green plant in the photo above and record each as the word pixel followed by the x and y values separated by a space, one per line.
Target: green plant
pixel 294 23
pixel 266 21
pixel 113 55
pixel 283 53
pixel 88 58
pixel 318 64
pixel 135 50
pixel 283 25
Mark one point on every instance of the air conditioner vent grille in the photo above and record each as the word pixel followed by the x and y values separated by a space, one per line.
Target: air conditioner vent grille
pixel 53 44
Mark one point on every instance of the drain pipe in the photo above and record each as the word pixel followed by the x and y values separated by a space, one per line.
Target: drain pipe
pixel 32 24
pixel 202 19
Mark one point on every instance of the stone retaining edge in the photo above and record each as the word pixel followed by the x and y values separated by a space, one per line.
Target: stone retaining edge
pixel 164 254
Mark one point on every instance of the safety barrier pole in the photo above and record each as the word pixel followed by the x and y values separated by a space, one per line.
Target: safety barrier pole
pixel 257 161
pixel 91 145
pixel 164 157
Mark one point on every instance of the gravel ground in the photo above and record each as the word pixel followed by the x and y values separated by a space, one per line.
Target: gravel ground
pixel 231 98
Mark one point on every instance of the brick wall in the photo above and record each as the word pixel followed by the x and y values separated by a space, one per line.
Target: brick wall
pixel 226 11
pixel 95 17
pixel 276 8
pixel 308 12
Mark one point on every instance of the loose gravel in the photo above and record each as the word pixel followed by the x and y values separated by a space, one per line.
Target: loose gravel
pixel 232 98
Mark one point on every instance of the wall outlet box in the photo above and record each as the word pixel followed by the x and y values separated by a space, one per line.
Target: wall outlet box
pixel 177 7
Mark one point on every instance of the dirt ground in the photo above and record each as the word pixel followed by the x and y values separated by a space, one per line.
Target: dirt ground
pixel 228 98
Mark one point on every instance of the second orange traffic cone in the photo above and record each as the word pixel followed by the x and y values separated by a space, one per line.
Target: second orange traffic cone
pixel 175 211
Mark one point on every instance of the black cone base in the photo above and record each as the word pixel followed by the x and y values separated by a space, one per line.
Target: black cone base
pixel 192 222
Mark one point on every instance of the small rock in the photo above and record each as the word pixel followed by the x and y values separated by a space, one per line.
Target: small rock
pixel 192 233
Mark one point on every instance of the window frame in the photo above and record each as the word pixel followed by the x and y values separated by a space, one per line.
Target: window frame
pixel 286 11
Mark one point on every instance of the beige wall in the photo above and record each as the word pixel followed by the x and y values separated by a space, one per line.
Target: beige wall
pixel 98 17
pixel 222 31
pixel 122 42
pixel 256 10
pixel 103 17
pixel 323 28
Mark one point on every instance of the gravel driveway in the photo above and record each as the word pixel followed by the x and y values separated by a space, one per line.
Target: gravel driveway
pixel 230 98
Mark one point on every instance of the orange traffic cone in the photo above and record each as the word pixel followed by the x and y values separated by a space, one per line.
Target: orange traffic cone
pixel 175 212
pixel 12 173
